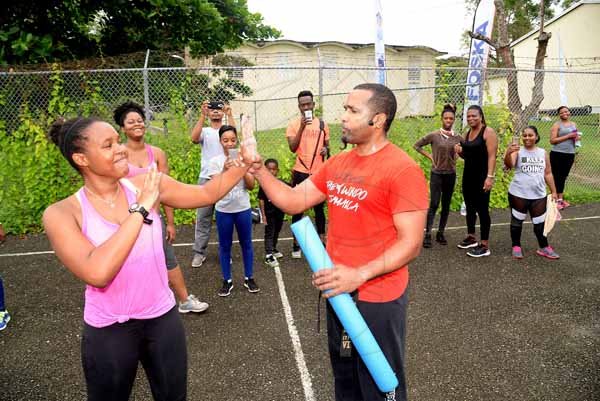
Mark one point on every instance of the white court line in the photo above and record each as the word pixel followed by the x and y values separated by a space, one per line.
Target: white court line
pixel 300 361
pixel 290 238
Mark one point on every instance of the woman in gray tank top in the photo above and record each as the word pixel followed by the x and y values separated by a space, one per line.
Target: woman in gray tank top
pixel 563 137
pixel 527 191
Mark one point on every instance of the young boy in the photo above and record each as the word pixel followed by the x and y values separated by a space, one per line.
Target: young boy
pixel 273 219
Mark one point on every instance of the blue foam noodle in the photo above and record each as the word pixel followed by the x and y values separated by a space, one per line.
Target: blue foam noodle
pixel 346 310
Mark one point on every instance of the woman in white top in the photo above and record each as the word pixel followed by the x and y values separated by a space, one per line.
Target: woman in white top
pixel 233 210
pixel 527 190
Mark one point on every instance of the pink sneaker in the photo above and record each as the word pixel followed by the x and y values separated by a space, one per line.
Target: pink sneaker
pixel 548 252
pixel 517 252
pixel 565 204
pixel 560 204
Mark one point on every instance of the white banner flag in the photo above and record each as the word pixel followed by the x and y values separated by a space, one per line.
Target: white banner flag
pixel 562 83
pixel 379 44
pixel 478 57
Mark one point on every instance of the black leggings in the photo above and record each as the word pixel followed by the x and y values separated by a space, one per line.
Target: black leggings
pixel 561 164
pixel 110 357
pixel 478 204
pixel 297 178
pixel 536 209
pixel 440 186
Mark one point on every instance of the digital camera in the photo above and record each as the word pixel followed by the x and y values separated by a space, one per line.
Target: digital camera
pixel 215 105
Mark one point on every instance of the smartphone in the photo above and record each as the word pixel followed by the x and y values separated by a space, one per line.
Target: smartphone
pixel 233 154
pixel 516 139
pixel 308 115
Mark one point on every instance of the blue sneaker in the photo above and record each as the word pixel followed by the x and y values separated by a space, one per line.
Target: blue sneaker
pixel 4 319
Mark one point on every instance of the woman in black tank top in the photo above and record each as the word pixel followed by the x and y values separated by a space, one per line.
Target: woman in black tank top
pixel 478 149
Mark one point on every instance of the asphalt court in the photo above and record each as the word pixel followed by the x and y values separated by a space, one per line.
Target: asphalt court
pixel 479 329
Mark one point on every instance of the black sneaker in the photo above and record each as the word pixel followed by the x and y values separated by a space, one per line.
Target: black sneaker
pixel 479 251
pixel 427 241
pixel 440 239
pixel 469 242
pixel 250 284
pixel 225 291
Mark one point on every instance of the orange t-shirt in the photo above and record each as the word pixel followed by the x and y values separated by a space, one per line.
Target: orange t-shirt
pixel 363 194
pixel 308 144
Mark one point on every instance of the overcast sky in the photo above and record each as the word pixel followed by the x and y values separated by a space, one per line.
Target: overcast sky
pixel 434 23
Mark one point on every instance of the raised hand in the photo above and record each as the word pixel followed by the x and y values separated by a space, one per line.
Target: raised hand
pixel 150 192
pixel 249 147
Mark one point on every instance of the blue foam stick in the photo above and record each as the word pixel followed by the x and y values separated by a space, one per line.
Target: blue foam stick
pixel 346 310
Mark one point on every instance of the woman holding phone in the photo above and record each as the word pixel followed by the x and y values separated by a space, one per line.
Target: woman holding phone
pixel 233 211
pixel 478 149
pixel 527 191
pixel 563 137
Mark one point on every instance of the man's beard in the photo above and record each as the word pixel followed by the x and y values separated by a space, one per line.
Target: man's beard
pixel 344 142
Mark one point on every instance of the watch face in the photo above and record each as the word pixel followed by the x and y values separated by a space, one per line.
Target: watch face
pixel 134 206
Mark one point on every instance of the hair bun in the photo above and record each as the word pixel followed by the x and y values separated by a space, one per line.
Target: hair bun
pixel 450 106
pixel 56 131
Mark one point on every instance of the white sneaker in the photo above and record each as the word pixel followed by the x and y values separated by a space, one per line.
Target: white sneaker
pixel 296 254
pixel 198 260
pixel 192 304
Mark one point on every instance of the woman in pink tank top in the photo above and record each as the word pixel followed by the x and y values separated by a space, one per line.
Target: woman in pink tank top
pixel 141 157
pixel 108 235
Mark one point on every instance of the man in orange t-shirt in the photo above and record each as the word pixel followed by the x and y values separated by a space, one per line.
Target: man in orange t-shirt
pixel 377 200
pixel 309 139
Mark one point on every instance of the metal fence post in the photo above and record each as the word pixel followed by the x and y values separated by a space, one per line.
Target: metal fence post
pixel 320 82
pixel 146 89
pixel 255 118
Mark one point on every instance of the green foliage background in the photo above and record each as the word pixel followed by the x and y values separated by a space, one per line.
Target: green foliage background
pixel 33 173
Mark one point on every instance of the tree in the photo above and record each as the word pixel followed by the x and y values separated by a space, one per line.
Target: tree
pixel 505 27
pixel 51 30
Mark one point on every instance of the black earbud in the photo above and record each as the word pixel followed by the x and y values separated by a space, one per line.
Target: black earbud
pixel 370 122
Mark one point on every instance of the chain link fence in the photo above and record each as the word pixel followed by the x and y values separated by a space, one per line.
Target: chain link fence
pixel 173 96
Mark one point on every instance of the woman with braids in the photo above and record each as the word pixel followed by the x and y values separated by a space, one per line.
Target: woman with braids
pixel 108 235
pixel 443 172
pixel 141 156
pixel 527 191
pixel 563 136
pixel 478 149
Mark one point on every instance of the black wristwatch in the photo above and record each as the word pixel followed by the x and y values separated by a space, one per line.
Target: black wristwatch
pixel 137 208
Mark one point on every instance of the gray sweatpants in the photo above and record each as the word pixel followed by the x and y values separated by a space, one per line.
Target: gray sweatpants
pixel 204 218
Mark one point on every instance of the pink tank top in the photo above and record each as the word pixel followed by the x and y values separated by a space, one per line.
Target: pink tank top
pixel 140 290
pixel 135 170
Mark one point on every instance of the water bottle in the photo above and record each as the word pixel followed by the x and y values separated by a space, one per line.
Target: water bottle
pixel 248 139
pixel 578 142
pixel 463 209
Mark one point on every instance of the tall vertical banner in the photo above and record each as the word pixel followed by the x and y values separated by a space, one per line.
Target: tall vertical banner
pixel 562 83
pixel 478 55
pixel 379 44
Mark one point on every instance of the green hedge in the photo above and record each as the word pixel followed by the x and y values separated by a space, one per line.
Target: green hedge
pixel 33 174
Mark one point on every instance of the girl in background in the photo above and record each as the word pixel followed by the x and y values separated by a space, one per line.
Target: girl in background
pixel 443 172
pixel 233 211
pixel 140 157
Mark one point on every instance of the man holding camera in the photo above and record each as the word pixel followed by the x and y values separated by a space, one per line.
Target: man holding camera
pixel 308 137
pixel 208 138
